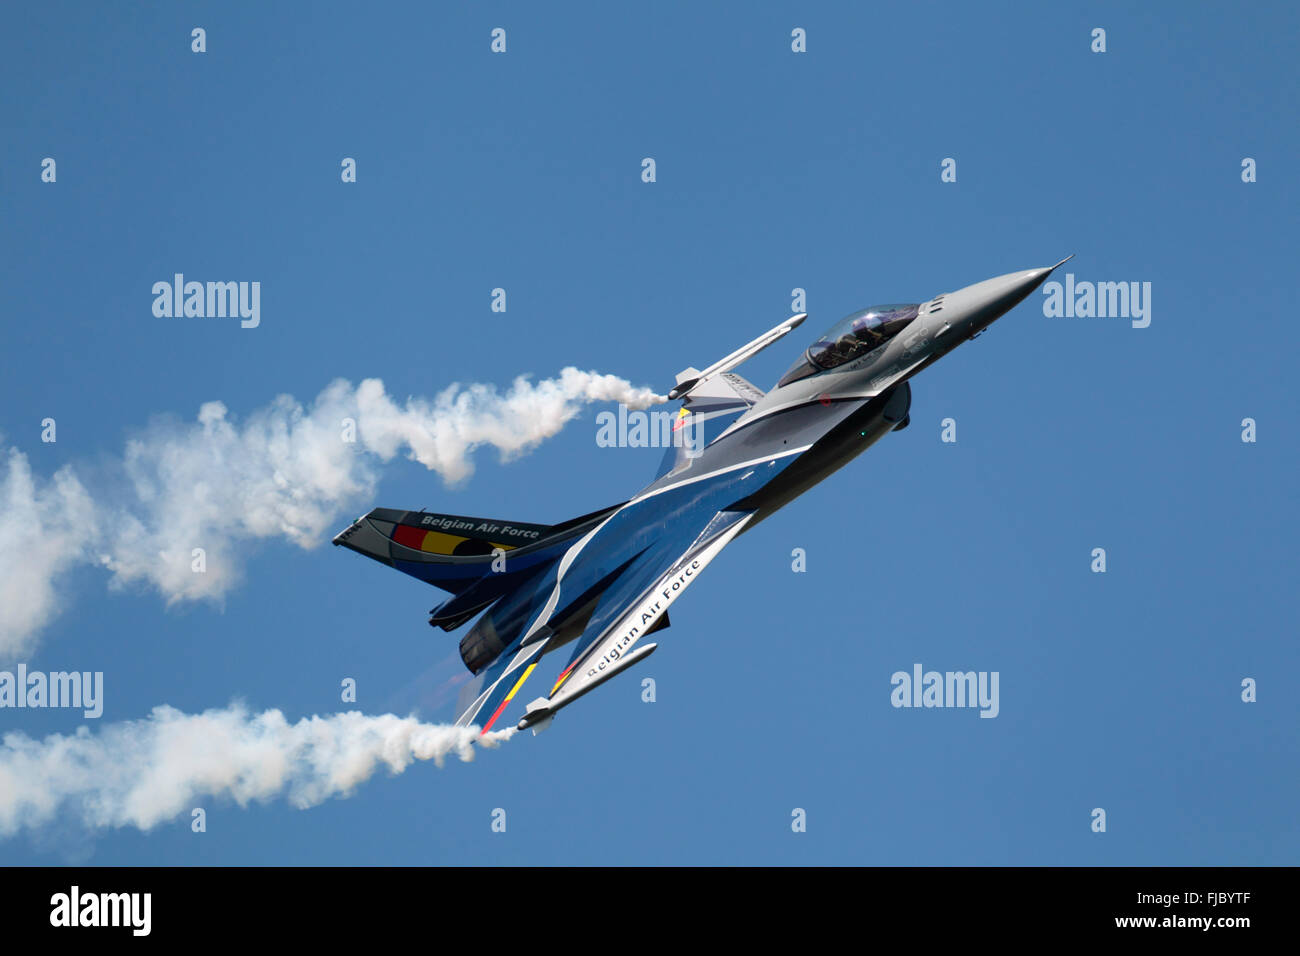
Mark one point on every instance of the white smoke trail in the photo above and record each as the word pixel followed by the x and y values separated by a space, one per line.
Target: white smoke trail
pixel 286 471
pixel 145 772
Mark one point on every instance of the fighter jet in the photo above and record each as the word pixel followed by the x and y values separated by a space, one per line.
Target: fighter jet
pixel 601 583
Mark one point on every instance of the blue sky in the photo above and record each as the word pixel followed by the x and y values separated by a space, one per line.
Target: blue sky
pixel 775 170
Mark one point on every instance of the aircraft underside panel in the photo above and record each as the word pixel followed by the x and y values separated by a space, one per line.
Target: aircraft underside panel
pixel 659 531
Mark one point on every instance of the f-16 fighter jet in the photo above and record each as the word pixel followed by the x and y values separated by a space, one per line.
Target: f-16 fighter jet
pixel 600 584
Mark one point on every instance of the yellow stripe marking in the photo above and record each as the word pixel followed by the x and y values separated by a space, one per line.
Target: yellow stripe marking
pixel 435 542
pixel 563 678
pixel 520 683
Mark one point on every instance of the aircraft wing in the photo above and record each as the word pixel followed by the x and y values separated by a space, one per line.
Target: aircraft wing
pixel 634 606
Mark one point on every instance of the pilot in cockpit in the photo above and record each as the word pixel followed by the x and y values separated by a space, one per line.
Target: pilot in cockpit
pixel 852 337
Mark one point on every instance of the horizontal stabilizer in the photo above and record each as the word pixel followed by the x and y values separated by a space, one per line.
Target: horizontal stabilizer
pixel 455 552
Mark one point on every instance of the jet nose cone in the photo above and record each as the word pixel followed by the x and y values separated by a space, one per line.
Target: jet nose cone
pixel 1031 279
pixel 980 304
pixel 1035 277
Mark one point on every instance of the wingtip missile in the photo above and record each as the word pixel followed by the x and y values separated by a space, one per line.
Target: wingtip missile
pixel 682 388
pixel 541 724
pixel 738 356
pixel 539 713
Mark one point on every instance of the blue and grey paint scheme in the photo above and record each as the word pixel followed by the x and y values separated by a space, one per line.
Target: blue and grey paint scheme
pixel 603 581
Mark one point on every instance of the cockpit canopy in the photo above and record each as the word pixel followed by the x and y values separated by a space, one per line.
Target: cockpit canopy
pixel 857 334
